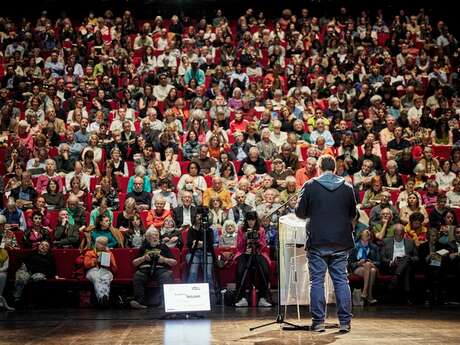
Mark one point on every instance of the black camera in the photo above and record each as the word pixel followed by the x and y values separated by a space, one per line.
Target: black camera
pixel 202 213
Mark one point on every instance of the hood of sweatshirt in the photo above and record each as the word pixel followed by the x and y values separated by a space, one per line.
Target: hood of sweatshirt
pixel 330 181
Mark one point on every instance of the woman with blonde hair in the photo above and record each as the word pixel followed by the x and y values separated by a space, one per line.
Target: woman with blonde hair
pixel 364 260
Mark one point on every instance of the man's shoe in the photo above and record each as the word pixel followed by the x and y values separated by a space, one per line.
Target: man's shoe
pixel 136 305
pixel 242 303
pixel 264 303
pixel 345 328
pixel 318 327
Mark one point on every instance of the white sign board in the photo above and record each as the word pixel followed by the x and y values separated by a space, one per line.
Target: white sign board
pixel 186 297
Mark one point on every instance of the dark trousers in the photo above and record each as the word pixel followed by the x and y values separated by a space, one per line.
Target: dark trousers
pixel 142 277
pixel 253 276
pixel 404 271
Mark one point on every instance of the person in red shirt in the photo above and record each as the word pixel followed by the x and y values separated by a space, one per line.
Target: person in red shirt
pixel 157 216
pixel 239 124
pixel 304 174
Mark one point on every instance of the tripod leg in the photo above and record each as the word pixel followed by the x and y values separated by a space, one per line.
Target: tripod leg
pixel 261 272
pixel 245 273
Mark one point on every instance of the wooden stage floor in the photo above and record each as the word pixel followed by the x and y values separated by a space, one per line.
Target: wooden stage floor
pixel 376 325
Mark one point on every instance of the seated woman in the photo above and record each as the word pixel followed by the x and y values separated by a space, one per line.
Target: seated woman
pixel 170 164
pixel 134 233
pixel 102 209
pixel 372 196
pixel 228 235
pixel 420 176
pixel 90 167
pixel 78 172
pixel 228 175
pixel 102 227
pixel 109 192
pixel 100 265
pixel 36 233
pixel 415 229
pixel 391 178
pixel 170 234
pixel 199 182
pixel 430 196
pixel 119 166
pixel 66 235
pixel 217 214
pixel 191 146
pixel 408 189
pixel 49 174
pixel 53 197
pixel 39 206
pixel 248 245
pixel 75 190
pixel 453 196
pixel 123 221
pixel 445 176
pixel 215 147
pixel 363 261
pixel 413 205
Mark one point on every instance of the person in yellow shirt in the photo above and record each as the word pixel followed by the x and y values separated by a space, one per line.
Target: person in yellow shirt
pixel 217 189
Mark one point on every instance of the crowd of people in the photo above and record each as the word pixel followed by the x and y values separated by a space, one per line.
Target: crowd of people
pixel 127 129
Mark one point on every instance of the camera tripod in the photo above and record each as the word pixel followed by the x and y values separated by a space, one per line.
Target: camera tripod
pixel 252 258
pixel 213 276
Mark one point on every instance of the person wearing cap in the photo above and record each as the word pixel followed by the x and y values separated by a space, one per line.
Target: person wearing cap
pixel 194 72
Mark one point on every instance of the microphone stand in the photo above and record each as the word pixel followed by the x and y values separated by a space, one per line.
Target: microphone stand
pixel 279 316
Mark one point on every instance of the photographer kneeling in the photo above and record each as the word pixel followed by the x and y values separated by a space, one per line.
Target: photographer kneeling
pixel 250 259
pixel 154 262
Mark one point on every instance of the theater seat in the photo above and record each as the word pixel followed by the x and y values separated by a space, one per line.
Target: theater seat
pixel 65 260
pixel 124 258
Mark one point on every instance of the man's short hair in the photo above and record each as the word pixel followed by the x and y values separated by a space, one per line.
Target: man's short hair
pixel 327 163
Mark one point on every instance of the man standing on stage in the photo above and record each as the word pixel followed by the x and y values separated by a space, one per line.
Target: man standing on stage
pixel 330 205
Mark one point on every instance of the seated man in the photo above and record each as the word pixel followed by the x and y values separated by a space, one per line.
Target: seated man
pixel 207 164
pixel 154 262
pixel 25 193
pixel 374 216
pixel 38 265
pixel 399 257
pixel 217 189
pixel 143 199
pixel 185 214
pixel 362 179
pixel 15 219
